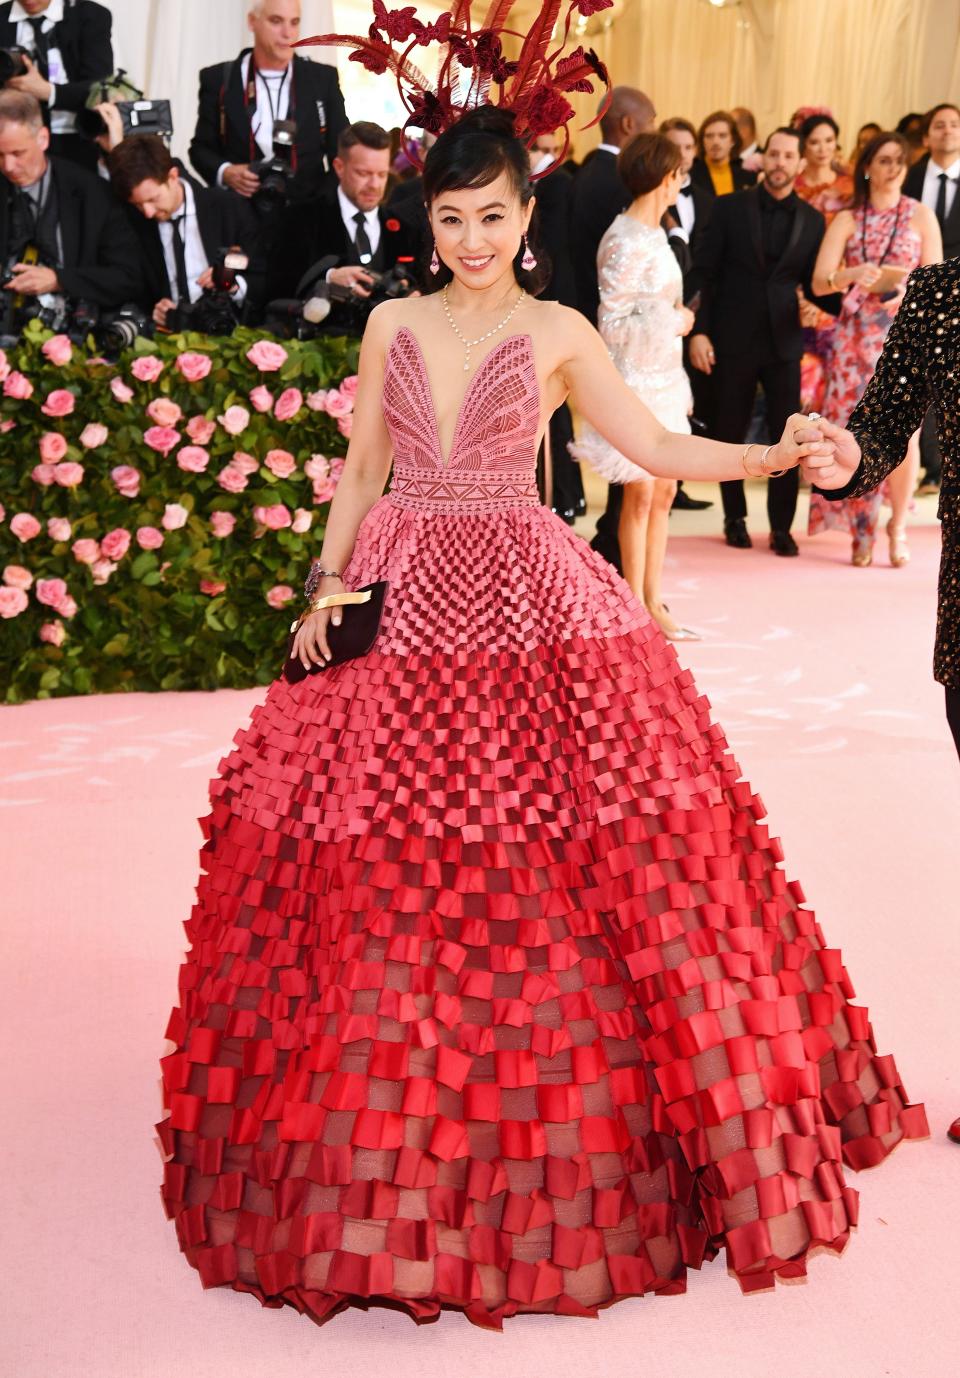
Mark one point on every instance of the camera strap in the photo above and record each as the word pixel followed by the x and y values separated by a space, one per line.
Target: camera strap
pixel 250 103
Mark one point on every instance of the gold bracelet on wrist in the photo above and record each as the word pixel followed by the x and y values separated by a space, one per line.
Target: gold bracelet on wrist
pixel 743 460
pixel 769 473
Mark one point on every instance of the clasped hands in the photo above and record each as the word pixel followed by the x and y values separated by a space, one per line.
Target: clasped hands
pixel 827 455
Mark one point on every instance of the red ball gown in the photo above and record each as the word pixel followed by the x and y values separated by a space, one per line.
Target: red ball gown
pixel 497 996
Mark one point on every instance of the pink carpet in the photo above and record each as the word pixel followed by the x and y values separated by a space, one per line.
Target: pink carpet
pixel 820 675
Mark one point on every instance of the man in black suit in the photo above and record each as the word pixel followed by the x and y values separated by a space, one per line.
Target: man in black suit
pixel 759 247
pixel 935 180
pixel 719 145
pixel 241 102
pixel 349 226
pixel 63 238
pixel 70 43
pixel 180 226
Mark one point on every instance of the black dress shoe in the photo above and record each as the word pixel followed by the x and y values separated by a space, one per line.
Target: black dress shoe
pixel 566 514
pixel 736 534
pixel 782 543
pixel 683 502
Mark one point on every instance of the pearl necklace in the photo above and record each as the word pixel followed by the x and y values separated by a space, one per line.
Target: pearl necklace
pixel 469 344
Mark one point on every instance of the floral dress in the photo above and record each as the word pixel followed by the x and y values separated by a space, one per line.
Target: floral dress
pixel 884 237
pixel 818 339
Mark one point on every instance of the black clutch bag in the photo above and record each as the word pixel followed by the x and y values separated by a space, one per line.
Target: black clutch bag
pixel 362 613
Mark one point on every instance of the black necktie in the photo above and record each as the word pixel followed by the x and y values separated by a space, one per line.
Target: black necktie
pixel 180 256
pixel 687 190
pixel 40 46
pixel 940 210
pixel 364 251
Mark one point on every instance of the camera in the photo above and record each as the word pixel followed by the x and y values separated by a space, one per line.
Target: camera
pixel 322 306
pixel 215 312
pixel 118 330
pixel 276 172
pixel 12 63
pixel 138 116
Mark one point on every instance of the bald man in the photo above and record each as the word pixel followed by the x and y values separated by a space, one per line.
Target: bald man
pixel 241 102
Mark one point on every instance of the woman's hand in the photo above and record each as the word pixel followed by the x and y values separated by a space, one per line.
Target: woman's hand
pixel 310 645
pixel 838 471
pixel 685 320
pixel 809 314
pixel 864 275
pixel 803 443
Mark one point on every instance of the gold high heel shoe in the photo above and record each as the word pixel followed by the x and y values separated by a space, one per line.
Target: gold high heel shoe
pixel 862 554
pixel 899 550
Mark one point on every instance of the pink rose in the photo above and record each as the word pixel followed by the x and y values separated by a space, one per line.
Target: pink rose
pixel 3 512
pixel 67 607
pixel 115 544
pixel 336 468
pixel 345 426
pixel 4 366
pixel 280 595
pixel 24 526
pixel 101 571
pixel 58 350
pixel 53 447
pixel 261 399
pixel 288 404
pixel 18 387
pixel 120 390
pixel 147 368
pixel 9 424
pixel 267 356
pixel 16 577
pixel 59 529
pixel 232 480
pixel 317 467
pixel 222 524
pixel 126 480
pixel 281 463
pixel 60 402
pixel 69 475
pixel 149 538
pixel 93 436
pixel 193 459
pixel 51 592
pixel 54 633
pixel 174 516
pixel 163 439
pixel 317 401
pixel 87 551
pixel 12 602
pixel 200 430
pixel 323 490
pixel 349 385
pixel 44 474
pixel 274 518
pixel 302 520
pixel 235 420
pixel 244 462
pixel 337 404
pixel 212 587
pixel 194 367
pixel 164 412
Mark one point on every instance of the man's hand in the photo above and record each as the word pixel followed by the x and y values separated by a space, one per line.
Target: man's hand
pixel 160 312
pixel 32 280
pixel 32 82
pixel 239 178
pixel 701 353
pixel 836 473
pixel 804 443
pixel 354 276
pixel 114 121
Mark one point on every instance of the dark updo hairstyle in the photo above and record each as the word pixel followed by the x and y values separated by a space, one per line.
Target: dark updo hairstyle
pixel 861 179
pixel 813 122
pixel 645 161
pixel 473 153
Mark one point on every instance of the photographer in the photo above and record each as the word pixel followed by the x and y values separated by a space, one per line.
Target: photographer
pixel 182 229
pixel 349 224
pixel 241 102
pixel 69 47
pixel 63 239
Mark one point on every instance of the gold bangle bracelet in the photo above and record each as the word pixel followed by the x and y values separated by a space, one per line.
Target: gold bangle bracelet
pixel 743 460
pixel 769 473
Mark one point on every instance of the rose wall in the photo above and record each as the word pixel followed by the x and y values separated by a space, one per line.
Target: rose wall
pixel 158 515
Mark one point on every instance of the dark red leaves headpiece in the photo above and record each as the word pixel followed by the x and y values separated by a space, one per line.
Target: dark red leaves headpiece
pixel 473 68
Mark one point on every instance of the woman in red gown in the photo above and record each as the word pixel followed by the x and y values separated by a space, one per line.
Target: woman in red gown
pixel 497 996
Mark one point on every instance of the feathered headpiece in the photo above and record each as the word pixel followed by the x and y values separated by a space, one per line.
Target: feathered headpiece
pixel 534 87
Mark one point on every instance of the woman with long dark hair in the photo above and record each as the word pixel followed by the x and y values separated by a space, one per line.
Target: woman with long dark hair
pixel 497 995
pixel 868 252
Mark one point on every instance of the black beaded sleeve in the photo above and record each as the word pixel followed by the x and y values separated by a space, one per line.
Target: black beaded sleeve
pixel 898 394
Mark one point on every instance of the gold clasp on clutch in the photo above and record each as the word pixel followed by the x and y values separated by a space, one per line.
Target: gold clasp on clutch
pixel 333 600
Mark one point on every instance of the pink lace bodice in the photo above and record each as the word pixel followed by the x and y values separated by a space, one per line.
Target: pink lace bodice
pixel 492 460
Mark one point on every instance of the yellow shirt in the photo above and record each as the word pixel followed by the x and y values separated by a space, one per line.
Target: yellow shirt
pixel 721 175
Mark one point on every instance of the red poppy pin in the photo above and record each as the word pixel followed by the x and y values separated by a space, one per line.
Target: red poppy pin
pixel 393 226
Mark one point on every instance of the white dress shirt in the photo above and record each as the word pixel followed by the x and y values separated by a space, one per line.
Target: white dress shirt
pixel 273 103
pixel 685 210
pixel 931 184
pixel 371 220
pixel 61 121
pixel 194 253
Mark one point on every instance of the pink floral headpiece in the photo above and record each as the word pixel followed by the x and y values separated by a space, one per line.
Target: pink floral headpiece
pixel 534 87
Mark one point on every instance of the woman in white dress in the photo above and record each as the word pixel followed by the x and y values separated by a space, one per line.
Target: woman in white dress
pixel 642 320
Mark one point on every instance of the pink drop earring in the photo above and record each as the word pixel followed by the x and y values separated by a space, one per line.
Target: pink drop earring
pixel 528 262
pixel 435 261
